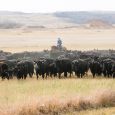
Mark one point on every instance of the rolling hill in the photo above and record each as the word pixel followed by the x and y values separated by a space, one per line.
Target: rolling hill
pixel 56 20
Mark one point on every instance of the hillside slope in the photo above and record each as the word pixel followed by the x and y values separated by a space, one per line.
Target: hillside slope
pixel 54 20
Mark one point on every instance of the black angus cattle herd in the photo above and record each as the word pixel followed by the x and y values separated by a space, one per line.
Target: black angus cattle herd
pixel 57 68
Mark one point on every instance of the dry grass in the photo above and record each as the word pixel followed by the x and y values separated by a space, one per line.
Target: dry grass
pixel 19 40
pixel 54 96
pixel 101 111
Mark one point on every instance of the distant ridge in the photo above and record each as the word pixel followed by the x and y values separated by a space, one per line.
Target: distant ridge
pixel 56 20
pixel 10 13
pixel 84 16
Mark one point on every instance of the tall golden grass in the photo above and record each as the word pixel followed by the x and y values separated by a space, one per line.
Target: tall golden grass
pixel 102 95
pixel 62 106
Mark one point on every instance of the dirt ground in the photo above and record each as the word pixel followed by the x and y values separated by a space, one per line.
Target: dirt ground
pixel 18 40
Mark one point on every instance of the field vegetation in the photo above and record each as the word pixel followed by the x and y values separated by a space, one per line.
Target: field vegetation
pixel 57 96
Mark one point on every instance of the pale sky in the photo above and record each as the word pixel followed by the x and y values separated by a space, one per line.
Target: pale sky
pixel 57 5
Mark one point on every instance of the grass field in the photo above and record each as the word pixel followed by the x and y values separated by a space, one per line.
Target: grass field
pixel 57 96
pixel 102 111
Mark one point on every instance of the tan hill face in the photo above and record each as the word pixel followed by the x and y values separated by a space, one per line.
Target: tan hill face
pixel 98 24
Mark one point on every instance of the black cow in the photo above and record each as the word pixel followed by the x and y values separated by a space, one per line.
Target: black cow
pixel 24 68
pixel 107 67
pixel 113 70
pixel 63 66
pixel 30 67
pixel 40 68
pixel 4 70
pixel 96 68
pixel 80 67
pixel 21 70
pixel 53 69
pixel 45 67
pixel 11 65
pixel 48 66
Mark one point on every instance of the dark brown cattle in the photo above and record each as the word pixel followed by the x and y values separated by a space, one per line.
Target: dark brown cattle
pixel 4 70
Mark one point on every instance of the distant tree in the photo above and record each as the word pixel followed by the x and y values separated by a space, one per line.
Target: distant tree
pixel 59 43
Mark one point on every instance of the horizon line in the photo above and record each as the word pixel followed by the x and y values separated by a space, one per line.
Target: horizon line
pixel 99 11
